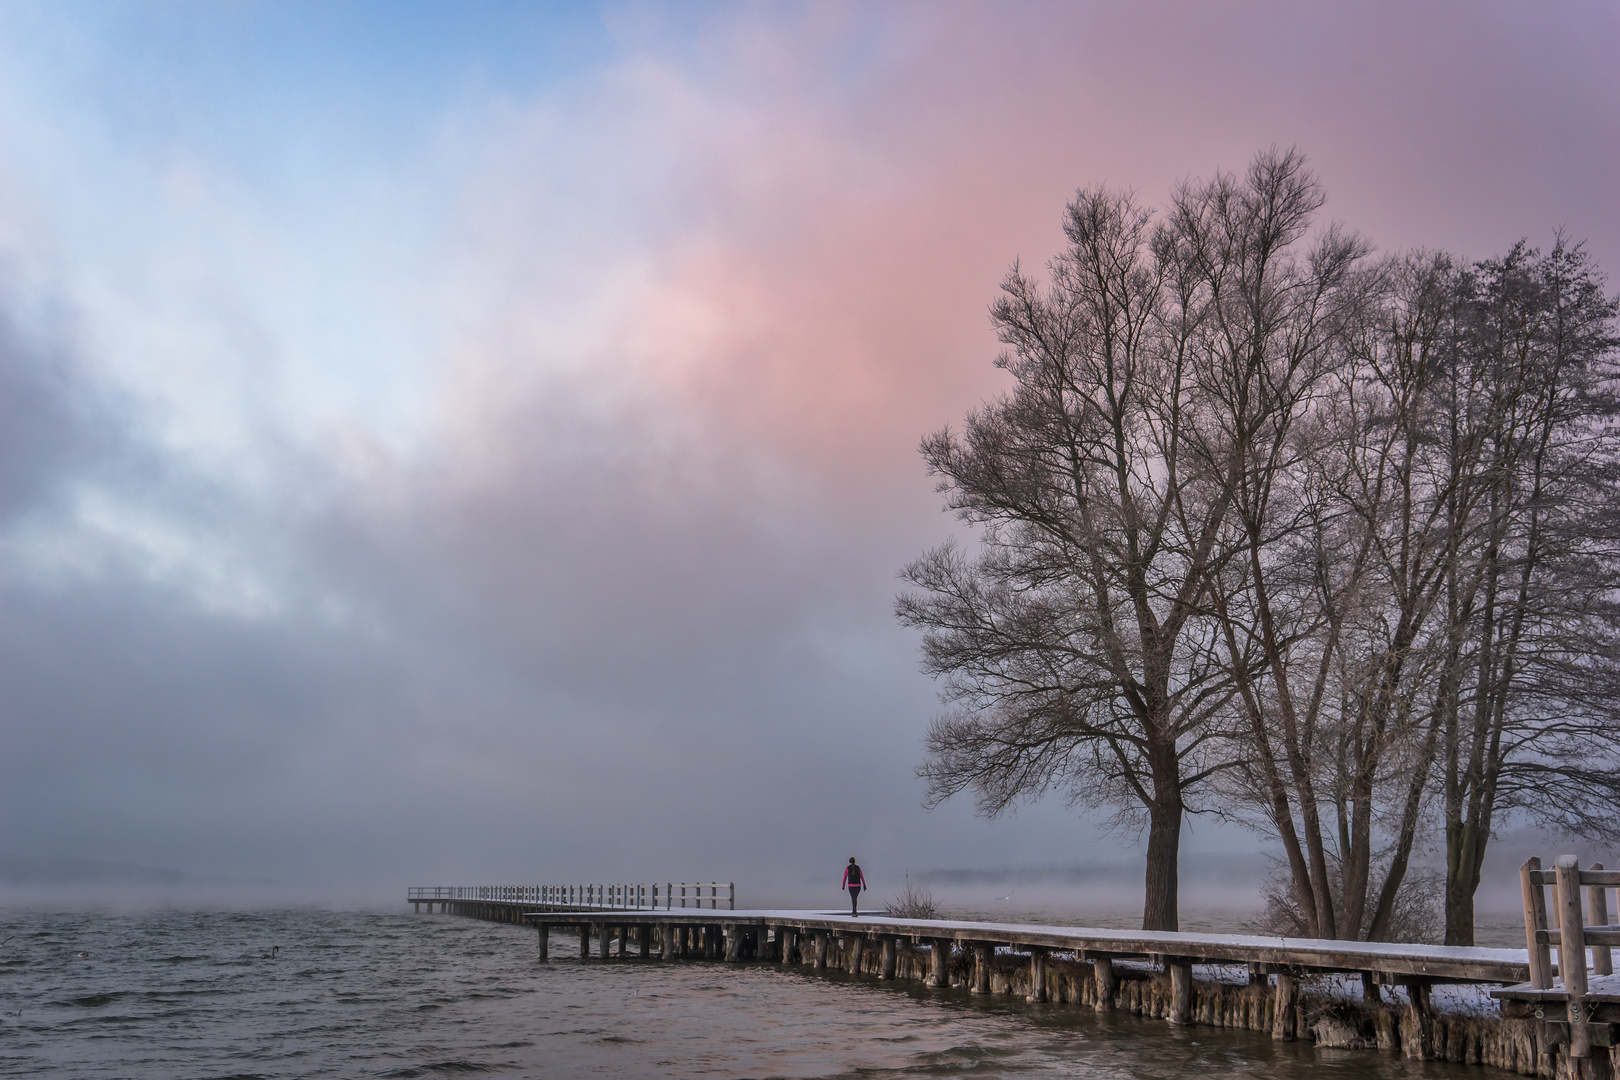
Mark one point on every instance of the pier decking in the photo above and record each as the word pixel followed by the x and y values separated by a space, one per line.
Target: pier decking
pixel 1393 963
pixel 1551 1019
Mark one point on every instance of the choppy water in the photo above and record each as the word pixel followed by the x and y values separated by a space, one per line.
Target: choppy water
pixel 189 994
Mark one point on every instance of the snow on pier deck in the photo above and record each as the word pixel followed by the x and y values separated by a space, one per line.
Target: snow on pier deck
pixel 1392 962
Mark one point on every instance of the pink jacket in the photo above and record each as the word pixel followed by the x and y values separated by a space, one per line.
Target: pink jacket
pixel 857 881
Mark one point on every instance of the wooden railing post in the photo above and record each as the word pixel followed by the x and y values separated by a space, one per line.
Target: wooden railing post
pixel 1597 914
pixel 1535 924
pixel 1572 953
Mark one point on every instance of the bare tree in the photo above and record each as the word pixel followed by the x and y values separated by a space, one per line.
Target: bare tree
pixel 1531 695
pixel 1325 619
pixel 1077 649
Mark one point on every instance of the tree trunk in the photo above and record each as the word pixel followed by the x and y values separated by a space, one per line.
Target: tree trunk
pixel 1460 910
pixel 1159 910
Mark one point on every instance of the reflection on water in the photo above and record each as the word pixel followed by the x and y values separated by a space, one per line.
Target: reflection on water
pixel 382 995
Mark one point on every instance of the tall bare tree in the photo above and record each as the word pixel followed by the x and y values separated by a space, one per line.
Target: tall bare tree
pixel 1531 692
pixel 1076 648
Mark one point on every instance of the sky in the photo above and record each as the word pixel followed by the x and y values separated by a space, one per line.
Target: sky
pixel 449 444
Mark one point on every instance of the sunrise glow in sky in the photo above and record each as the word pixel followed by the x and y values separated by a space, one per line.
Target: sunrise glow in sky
pixel 447 442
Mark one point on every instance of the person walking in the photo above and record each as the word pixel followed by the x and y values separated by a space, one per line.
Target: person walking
pixel 854 881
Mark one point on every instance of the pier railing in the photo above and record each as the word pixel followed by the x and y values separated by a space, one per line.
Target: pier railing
pixel 589 897
pixel 1570 933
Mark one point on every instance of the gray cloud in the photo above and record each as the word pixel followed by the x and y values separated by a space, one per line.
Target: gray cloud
pixel 653 638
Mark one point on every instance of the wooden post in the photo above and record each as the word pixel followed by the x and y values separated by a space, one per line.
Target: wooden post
pixel 1572 953
pixel 644 940
pixel 545 941
pixel 734 938
pixel 1371 992
pixel 584 941
pixel 886 962
pixel 1282 1016
pixel 981 969
pixel 857 945
pixel 821 951
pixel 1535 920
pixel 1102 971
pixel 624 939
pixel 1597 914
pixel 786 944
pixel 604 940
pixel 939 972
pixel 1037 974
pixel 1180 992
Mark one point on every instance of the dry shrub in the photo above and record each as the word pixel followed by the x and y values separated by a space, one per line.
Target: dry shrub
pixel 914 902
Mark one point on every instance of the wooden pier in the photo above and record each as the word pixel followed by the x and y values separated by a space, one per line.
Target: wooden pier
pixel 1548 1026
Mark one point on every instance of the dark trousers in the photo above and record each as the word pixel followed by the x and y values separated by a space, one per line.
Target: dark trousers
pixel 854 891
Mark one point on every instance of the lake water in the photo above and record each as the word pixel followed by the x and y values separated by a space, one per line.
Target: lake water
pixel 355 994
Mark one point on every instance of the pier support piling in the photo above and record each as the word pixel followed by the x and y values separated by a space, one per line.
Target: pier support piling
pixel 939 972
pixel 545 942
pixel 1037 974
pixel 1102 972
pixel 734 937
pixel 1282 1017
pixel 762 944
pixel 856 946
pixel 886 962
pixel 820 963
pixel 787 942
pixel 584 941
pixel 604 940
pixel 1180 991
pixel 981 968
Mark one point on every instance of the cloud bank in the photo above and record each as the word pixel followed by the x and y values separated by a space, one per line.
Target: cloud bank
pixel 497 467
